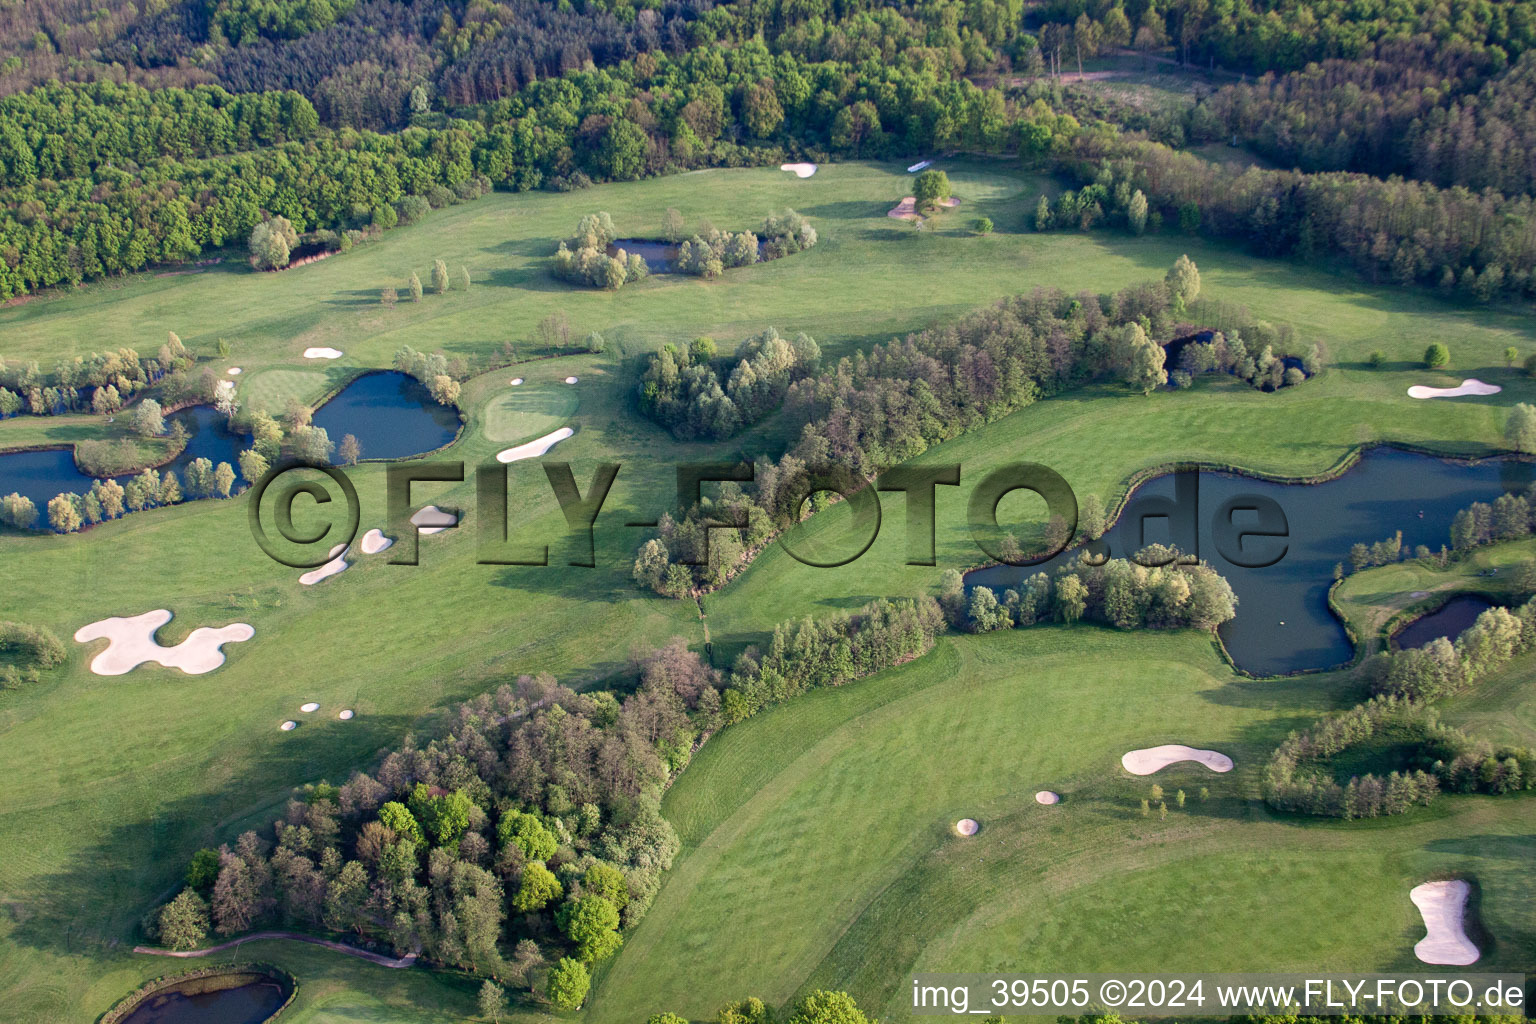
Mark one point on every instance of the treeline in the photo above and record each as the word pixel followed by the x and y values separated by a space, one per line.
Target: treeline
pixel 810 652
pixel 1478 246
pixel 1508 517
pixel 694 393
pixel 881 408
pixel 530 831
pixel 101 382
pixel 1442 668
pixel 1151 591
pixel 1439 757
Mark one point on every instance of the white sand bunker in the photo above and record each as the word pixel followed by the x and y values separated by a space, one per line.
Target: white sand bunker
pixel 346 716
pixel 309 708
pixel 572 380
pixel 433 520
pixel 289 726
pixel 338 563
pixel 234 371
pixel 1443 905
pixel 322 353
pixel 374 541
pixel 918 166
pixel 801 170
pixel 1046 797
pixel 535 448
pixel 967 826
pixel 131 642
pixel 1470 386
pixel 516 381
pixel 1154 759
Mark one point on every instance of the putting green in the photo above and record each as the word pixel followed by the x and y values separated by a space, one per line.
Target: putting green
pixel 529 410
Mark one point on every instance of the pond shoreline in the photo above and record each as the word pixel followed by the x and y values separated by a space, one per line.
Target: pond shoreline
pixel 1293 597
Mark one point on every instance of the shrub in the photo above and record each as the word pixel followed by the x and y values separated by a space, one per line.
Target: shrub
pixel 1437 356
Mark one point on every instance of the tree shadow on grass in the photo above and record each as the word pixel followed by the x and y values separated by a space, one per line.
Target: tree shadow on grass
pixel 532 279
pixel 360 297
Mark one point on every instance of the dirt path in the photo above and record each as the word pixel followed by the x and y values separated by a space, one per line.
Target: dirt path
pixel 340 947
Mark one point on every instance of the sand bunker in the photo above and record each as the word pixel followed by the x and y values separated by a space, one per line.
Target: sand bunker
pixel 801 170
pixel 907 208
pixel 338 563
pixel 535 448
pixel 131 642
pixel 1470 386
pixel 346 716
pixel 309 708
pixel 433 520
pixel 967 826
pixel 289 726
pixel 1153 759
pixel 919 166
pixel 572 380
pixel 1443 905
pixel 234 371
pixel 322 353
pixel 374 541
pixel 1045 796
pixel 516 381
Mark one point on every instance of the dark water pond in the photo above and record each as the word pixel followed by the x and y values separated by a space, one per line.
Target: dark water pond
pixel 391 415
pixel 660 257
pixel 1449 620
pixel 1386 491
pixel 247 1004
pixel 43 475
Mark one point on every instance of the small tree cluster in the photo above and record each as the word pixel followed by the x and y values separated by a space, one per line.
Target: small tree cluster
pixel 1151 591
pixel 693 394
pixel 1297 777
pixel 583 258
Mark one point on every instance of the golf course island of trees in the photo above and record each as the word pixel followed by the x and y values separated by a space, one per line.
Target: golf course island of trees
pixel 702 672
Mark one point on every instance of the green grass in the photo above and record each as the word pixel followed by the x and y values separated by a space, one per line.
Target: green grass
pixel 1374 599
pixel 817 844
pixel 523 412
pixel 274 388
pixel 820 849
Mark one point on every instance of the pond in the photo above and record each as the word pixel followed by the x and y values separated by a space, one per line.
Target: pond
pixel 250 1003
pixel 1449 620
pixel 43 475
pixel 1283 622
pixel 660 257
pixel 391 415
